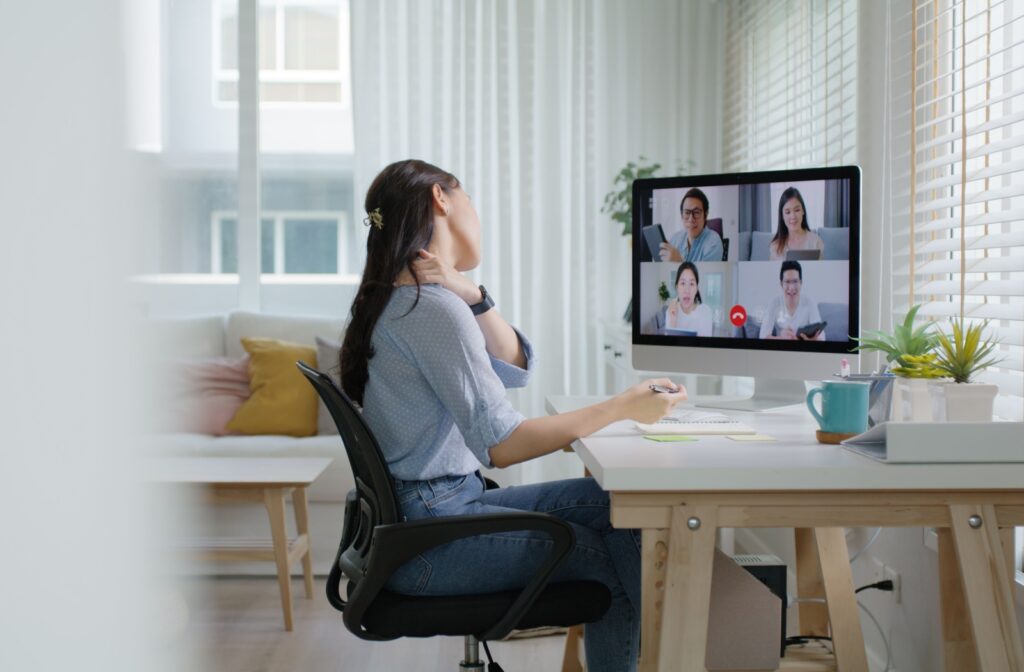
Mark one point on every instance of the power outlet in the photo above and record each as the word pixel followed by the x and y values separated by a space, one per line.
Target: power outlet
pixel 894 576
pixel 880 572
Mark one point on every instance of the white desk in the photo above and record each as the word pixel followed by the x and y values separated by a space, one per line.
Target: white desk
pixel 665 488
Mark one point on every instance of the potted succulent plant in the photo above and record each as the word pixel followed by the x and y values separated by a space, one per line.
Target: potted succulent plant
pixel 961 355
pixel 910 356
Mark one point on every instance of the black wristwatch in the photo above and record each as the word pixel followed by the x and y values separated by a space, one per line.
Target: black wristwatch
pixel 485 304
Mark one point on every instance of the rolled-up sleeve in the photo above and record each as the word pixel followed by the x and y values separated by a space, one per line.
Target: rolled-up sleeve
pixel 510 375
pixel 451 354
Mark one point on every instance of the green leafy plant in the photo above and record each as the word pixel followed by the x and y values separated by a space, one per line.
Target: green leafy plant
pixel 905 348
pixel 663 292
pixel 963 353
pixel 618 203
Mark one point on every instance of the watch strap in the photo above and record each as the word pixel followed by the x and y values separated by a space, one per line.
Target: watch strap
pixel 486 303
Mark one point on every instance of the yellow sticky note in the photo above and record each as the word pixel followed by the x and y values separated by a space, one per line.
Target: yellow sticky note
pixel 669 438
pixel 751 437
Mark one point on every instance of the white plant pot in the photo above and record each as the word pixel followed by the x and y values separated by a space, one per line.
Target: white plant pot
pixel 963 402
pixel 911 401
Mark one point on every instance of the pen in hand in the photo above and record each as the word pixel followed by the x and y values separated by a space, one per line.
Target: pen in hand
pixel 664 390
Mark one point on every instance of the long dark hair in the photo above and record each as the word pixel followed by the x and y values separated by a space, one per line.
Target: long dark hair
pixel 782 233
pixel 401 199
pixel 692 267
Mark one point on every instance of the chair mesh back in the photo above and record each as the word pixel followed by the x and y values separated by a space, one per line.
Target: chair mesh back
pixel 373 480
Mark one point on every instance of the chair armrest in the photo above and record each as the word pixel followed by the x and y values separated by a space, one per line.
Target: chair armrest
pixel 394 545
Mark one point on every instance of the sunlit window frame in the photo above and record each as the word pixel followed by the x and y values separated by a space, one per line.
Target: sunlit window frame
pixel 280 75
pixel 280 219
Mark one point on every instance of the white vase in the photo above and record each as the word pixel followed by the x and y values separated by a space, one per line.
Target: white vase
pixel 963 402
pixel 911 401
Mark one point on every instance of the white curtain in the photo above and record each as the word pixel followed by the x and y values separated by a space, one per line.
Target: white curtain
pixel 535 106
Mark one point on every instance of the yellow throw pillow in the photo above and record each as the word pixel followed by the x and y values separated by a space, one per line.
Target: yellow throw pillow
pixel 282 401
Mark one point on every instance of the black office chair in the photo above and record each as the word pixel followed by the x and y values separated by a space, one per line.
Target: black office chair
pixel 375 542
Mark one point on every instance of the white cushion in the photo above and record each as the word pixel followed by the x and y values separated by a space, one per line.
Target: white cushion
pixel 292 328
pixel 332 486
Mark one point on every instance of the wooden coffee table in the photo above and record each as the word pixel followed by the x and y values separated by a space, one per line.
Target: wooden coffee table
pixel 233 480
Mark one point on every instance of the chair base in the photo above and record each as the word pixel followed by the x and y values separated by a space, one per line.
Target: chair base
pixel 471 658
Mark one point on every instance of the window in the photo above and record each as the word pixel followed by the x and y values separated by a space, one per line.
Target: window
pixel 303 52
pixel 958 169
pixel 299 242
pixel 193 145
pixel 791 99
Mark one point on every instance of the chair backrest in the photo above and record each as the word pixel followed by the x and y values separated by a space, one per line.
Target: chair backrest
pixel 377 499
pixel 715 225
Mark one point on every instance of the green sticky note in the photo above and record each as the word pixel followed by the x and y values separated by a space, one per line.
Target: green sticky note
pixel 669 438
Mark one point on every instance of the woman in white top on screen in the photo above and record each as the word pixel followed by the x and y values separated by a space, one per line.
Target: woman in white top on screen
pixel 792 310
pixel 793 232
pixel 687 312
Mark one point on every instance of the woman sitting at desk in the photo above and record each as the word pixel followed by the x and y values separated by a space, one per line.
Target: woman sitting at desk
pixel 429 359
pixel 687 312
pixel 792 232
pixel 792 311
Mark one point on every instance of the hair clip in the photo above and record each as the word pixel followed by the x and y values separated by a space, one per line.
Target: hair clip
pixel 374 218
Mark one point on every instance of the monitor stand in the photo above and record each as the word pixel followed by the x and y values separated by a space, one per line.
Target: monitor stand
pixel 769 393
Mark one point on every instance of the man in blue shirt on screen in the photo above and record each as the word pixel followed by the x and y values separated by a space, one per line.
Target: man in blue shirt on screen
pixel 695 242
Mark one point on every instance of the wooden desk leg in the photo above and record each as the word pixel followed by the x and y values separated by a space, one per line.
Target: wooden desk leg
pixel 843 614
pixel 687 603
pixel 813 615
pixel 571 657
pixel 301 503
pixel 273 499
pixel 1007 536
pixel 959 653
pixel 653 557
pixel 986 586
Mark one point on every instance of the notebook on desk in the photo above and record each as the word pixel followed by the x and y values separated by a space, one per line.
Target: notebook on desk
pixel 940 442
pixel 695 423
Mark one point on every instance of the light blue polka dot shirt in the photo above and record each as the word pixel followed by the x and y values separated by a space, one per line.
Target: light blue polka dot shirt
pixel 435 398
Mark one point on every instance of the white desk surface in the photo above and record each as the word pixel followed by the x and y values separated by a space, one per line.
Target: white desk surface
pixel 621 459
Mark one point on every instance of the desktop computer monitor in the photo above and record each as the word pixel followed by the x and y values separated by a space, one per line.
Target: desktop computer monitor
pixel 748 274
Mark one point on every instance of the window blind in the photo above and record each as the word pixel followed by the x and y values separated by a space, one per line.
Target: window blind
pixel 790 84
pixel 957 124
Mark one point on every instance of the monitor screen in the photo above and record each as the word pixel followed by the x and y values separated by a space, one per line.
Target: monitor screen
pixel 756 261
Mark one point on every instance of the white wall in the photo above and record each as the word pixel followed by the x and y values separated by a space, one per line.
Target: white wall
pixel 80 565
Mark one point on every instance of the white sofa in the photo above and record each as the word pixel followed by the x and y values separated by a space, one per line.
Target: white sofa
pixel 219 335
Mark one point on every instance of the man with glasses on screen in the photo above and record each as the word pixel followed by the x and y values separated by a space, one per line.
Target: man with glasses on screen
pixel 695 242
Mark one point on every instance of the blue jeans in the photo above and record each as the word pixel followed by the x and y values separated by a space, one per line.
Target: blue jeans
pixel 506 561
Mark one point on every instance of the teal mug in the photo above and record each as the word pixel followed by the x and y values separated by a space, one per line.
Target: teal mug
pixel 844 406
